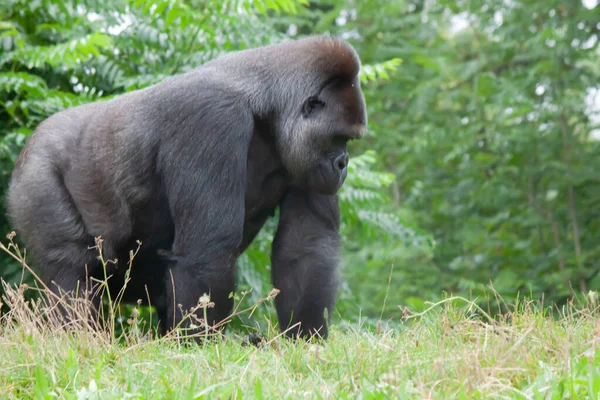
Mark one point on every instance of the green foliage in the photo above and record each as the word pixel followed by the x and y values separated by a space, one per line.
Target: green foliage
pixel 488 127
pixel 380 70
pixel 69 54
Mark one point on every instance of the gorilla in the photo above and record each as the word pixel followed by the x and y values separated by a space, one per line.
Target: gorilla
pixel 192 167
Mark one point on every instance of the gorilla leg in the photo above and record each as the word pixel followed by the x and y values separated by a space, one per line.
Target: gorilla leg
pixel 202 263
pixel 304 262
pixel 58 240
pixel 69 281
pixel 191 280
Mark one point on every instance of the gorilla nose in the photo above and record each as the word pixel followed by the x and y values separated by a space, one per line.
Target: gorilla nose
pixel 360 130
pixel 341 162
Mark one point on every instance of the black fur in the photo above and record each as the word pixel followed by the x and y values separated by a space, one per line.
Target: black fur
pixel 192 167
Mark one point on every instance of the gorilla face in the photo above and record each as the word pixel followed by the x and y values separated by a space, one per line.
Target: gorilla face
pixel 317 156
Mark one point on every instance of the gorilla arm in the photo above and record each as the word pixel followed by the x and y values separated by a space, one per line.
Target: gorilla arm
pixel 305 258
pixel 204 169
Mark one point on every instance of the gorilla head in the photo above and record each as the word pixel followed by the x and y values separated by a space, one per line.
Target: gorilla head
pixel 325 111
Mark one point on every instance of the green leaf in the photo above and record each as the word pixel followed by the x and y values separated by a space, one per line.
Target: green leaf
pixel 374 72
pixel 485 84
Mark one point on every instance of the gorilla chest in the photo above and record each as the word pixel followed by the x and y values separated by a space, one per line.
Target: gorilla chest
pixel 266 179
pixel 264 192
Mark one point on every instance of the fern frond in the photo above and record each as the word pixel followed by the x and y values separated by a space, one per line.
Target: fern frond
pixel 141 81
pixel 11 144
pixel 170 11
pixel 22 83
pixel 69 54
pixel 374 72
pixel 55 101
pixel 263 6
pixel 358 195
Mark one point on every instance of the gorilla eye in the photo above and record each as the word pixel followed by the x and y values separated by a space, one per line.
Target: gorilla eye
pixel 311 104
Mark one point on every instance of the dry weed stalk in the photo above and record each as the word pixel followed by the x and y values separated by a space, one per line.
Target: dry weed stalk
pixel 53 313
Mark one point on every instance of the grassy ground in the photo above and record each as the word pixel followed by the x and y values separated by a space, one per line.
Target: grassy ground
pixel 450 351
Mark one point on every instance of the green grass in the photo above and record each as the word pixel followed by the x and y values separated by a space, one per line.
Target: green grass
pixel 452 350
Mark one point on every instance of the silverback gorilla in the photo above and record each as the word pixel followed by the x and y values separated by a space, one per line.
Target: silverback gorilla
pixel 192 167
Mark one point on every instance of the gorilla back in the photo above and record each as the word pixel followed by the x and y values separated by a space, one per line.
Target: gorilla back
pixel 192 167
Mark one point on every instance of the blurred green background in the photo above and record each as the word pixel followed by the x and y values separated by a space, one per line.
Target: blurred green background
pixel 481 167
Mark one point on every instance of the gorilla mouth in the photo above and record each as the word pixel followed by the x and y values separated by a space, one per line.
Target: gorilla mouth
pixel 325 179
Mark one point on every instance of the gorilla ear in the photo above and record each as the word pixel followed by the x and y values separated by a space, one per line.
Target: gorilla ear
pixel 311 104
